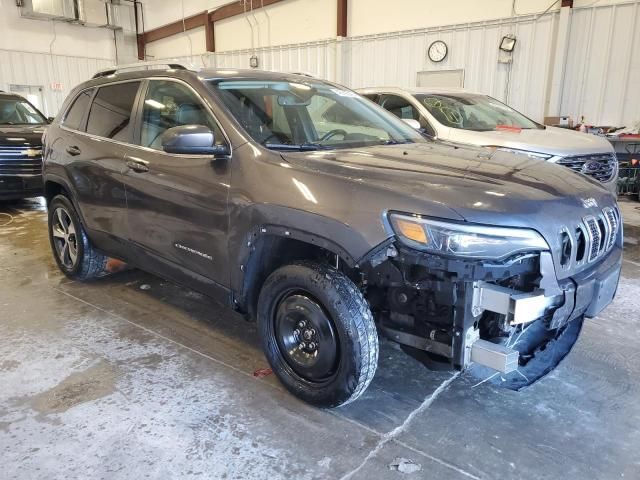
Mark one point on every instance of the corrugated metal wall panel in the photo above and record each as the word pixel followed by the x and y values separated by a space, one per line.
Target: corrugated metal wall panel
pixel 40 69
pixel 316 58
pixel 603 68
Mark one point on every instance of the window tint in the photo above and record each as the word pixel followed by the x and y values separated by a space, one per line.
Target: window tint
pixel 171 104
pixel 110 114
pixel 75 114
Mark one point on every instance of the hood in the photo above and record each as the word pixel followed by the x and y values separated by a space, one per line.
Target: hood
pixel 21 135
pixel 500 189
pixel 550 140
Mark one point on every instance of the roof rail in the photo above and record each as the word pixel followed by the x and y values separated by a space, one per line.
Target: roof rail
pixel 138 66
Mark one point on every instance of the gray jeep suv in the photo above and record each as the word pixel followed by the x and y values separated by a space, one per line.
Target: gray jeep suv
pixel 328 221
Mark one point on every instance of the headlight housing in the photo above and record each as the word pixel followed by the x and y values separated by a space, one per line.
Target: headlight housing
pixel 464 240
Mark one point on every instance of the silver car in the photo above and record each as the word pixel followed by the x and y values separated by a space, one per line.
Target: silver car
pixel 460 116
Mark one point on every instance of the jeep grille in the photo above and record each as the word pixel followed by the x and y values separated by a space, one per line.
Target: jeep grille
pixel 601 166
pixel 593 238
pixel 15 160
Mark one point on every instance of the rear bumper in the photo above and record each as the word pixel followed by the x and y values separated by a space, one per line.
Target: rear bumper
pixel 20 186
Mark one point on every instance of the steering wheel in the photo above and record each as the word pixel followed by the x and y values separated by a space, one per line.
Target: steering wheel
pixel 332 133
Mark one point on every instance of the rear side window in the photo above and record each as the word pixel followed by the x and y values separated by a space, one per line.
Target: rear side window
pixel 111 111
pixel 75 115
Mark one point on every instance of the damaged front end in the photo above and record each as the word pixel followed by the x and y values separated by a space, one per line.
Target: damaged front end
pixel 504 314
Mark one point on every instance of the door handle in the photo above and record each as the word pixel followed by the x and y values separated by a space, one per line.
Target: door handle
pixel 137 164
pixel 73 151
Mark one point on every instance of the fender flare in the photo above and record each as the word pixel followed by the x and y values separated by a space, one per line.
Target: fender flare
pixel 51 177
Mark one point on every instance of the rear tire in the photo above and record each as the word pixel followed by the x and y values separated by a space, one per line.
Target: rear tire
pixel 318 333
pixel 75 255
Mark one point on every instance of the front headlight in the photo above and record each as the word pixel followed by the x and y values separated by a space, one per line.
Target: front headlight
pixel 464 240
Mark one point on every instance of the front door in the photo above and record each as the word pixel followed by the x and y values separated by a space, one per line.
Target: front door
pixel 177 204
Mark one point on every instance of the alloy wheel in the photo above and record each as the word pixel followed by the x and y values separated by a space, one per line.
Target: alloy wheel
pixel 65 238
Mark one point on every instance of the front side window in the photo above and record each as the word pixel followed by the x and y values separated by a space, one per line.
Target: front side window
pixel 110 114
pixel 16 111
pixel 400 107
pixel 474 112
pixel 75 115
pixel 170 104
pixel 309 115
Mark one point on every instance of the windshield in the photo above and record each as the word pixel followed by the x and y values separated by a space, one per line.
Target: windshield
pixel 474 112
pixel 310 115
pixel 15 111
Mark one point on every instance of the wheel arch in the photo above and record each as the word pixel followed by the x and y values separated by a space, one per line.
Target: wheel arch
pixel 269 247
pixel 55 185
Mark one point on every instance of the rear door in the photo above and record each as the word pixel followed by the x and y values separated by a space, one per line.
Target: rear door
pixel 96 148
pixel 177 204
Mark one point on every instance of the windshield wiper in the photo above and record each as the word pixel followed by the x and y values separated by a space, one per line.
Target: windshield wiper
pixel 396 142
pixel 300 147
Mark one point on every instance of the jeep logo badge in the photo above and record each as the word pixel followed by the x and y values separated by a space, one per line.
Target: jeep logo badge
pixel 589 202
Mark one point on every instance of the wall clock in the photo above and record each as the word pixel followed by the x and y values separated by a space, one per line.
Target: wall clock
pixel 437 51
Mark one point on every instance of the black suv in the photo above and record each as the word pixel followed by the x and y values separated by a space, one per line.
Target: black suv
pixel 327 220
pixel 21 129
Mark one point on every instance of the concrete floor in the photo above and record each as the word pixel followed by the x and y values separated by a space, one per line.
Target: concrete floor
pixel 134 377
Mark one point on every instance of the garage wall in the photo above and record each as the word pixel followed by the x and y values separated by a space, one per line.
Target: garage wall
pixel 320 59
pixel 602 78
pixel 190 41
pixel 44 70
pixel 293 21
pixel 17 33
pixel 53 56
pixel 377 16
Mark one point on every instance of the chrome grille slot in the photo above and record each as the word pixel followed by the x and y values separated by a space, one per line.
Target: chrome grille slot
pixel 16 160
pixel 612 220
pixel 594 238
pixel 602 166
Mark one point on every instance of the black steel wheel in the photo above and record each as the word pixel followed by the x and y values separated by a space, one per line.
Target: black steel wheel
pixel 318 333
pixel 72 249
pixel 306 336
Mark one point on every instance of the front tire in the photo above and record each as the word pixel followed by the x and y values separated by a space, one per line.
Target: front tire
pixel 75 255
pixel 318 333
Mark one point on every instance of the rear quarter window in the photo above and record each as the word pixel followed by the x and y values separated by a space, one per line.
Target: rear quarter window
pixel 76 113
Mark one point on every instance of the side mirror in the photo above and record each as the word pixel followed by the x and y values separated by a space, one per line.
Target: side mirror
pixel 415 124
pixel 191 140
